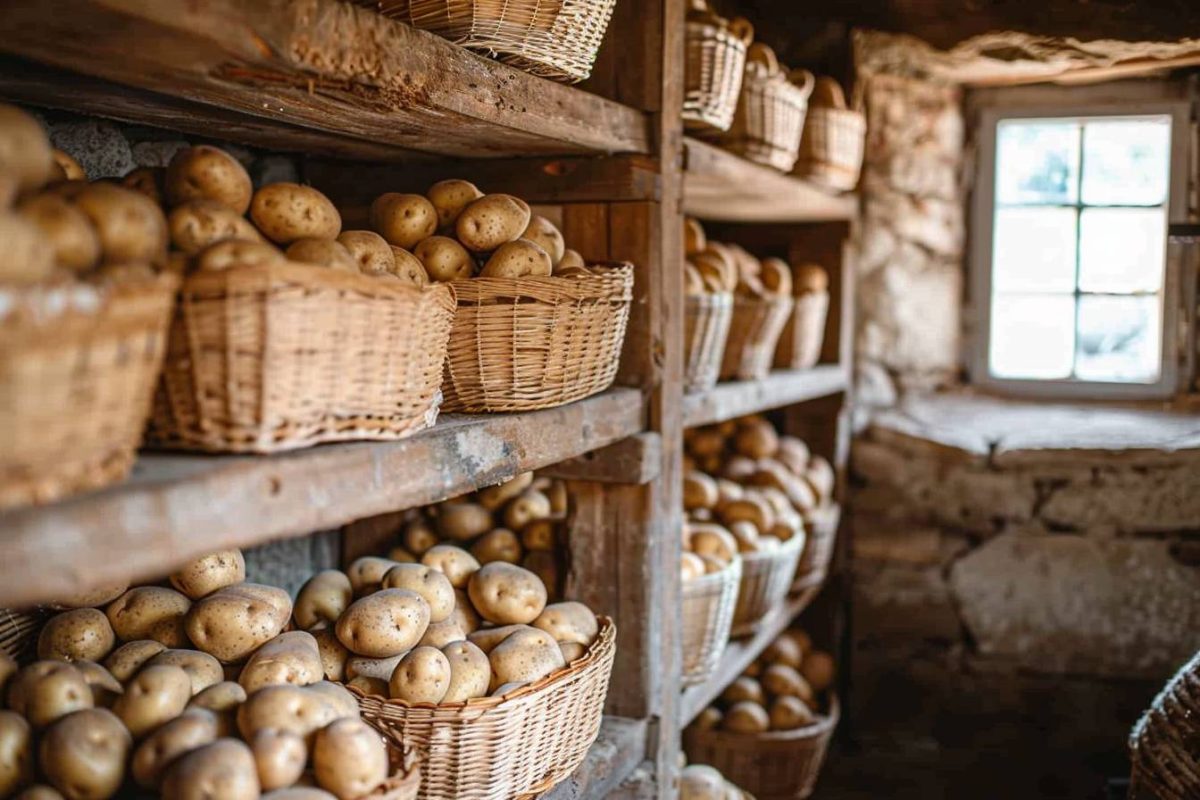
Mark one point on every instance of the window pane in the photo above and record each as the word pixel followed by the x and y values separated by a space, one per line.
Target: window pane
pixel 1037 162
pixel 1126 162
pixel 1033 336
pixel 1033 250
pixel 1120 339
pixel 1122 249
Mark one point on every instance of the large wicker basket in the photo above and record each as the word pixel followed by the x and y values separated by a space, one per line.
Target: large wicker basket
pixel 1165 743
pixel 78 366
pixel 707 615
pixel 819 546
pixel 520 344
pixel 556 40
pixel 766 580
pixel 715 63
pixel 804 332
pixel 753 336
pixel 705 331
pixel 831 150
pixel 770 115
pixel 497 748
pixel 777 765
pixel 271 358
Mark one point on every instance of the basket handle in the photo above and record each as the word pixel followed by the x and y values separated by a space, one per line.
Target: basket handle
pixel 742 29
pixel 763 55
pixel 803 80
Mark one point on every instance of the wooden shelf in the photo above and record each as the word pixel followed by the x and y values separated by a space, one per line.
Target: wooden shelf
pixel 722 187
pixel 617 751
pixel 177 507
pixel 781 388
pixel 317 76
pixel 740 653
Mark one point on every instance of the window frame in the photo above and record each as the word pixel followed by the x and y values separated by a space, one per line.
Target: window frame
pixel 982 234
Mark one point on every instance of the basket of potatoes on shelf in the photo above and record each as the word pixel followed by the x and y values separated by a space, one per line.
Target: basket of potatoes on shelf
pixel 84 312
pixel 710 574
pixel 709 285
pixel 769 730
pixel 702 782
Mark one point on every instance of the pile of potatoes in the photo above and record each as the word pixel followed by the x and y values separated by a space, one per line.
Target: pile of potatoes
pixel 702 782
pixel 784 689
pixel 717 268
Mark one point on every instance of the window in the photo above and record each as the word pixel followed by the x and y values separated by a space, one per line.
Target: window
pixel 1071 214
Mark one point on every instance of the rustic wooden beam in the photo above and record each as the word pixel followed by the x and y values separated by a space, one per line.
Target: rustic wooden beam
pixel 780 388
pixel 636 460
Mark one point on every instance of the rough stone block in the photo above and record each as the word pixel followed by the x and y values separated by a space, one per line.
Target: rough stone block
pixel 879 538
pixel 290 562
pixel 1150 500
pixel 896 602
pixel 157 153
pixel 99 147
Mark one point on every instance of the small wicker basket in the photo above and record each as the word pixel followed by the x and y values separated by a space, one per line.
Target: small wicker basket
pixel 804 332
pixel 777 765
pixel 78 366
pixel 813 566
pixel 715 63
pixel 520 344
pixel 705 331
pixel 1165 743
pixel 707 615
pixel 753 336
pixel 766 580
pixel 497 748
pixel 832 148
pixel 272 358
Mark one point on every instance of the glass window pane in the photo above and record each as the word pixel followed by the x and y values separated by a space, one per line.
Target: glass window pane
pixel 1126 162
pixel 1037 162
pixel 1120 339
pixel 1122 249
pixel 1033 336
pixel 1033 250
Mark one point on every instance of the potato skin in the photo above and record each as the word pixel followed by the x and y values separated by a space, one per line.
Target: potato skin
pixel 130 226
pixel 450 197
pixel 202 669
pixel 83 754
pixel 231 623
pixel 544 234
pixel 444 259
pixel 16 753
pixel 299 793
pixel 440 634
pixel 463 521
pixel 25 151
pixel 370 251
pixel 491 221
pixel 193 728
pixel 47 690
pixel 422 676
pixel 198 224
pixel 148 181
pixel 505 594
pixel 211 572
pixel 285 212
pixel 68 230
pixel 234 253
pixel 384 624
pixel 83 633
pixel 150 612
pixel 104 686
pixel 287 708
pixel 349 759
pixel 224 769
pixel 404 220
pixel 524 657
pixel 156 694
pixel 334 694
pixel 431 584
pixel 322 253
pixel 206 172
pixel 570 621
pixel 290 657
pixel 456 563
pixel 366 573
pixel 409 268
pixel 519 259
pixel 127 659
pixel 323 598
pixel 498 545
pixel 470 672
pixel 333 654
pixel 280 758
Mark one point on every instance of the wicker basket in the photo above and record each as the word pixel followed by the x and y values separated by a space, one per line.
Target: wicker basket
pixel 831 150
pixel 813 566
pixel 753 336
pixel 19 632
pixel 557 40
pixel 496 748
pixel 778 765
pixel 1165 743
pixel 715 63
pixel 78 366
pixel 271 358
pixel 707 615
pixel 766 580
pixel 706 329
pixel 804 332
pixel 528 343
pixel 405 781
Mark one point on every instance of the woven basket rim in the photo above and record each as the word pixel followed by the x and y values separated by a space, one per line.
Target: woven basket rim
pixel 723 33
pixel 735 740
pixel 594 287
pixel 406 775
pixel 846 114
pixel 794 543
pixel 105 294
pixel 708 580
pixel 309 276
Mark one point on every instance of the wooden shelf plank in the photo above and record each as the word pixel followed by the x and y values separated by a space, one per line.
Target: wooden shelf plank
pixel 740 653
pixel 320 76
pixel 722 187
pixel 617 751
pixel 177 507
pixel 781 388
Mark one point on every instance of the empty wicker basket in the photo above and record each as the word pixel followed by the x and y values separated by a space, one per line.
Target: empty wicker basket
pixel 263 359
pixel 706 329
pixel 715 63
pixel 78 366
pixel 1165 743
pixel 497 748
pixel 831 150
pixel 753 336
pixel 813 566
pixel 520 344
pixel 804 332
pixel 766 580
pixel 707 615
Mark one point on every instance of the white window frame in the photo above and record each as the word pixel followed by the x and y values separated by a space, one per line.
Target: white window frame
pixel 983 216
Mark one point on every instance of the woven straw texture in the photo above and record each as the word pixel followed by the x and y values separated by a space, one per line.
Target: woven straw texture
pixel 819 547
pixel 405 782
pixel 753 335
pixel 766 579
pixel 520 344
pixel 831 150
pixel 271 358
pixel 497 748
pixel 555 39
pixel 19 632
pixel 1165 743
pixel 78 365
pixel 715 62
pixel 707 615
pixel 804 332
pixel 705 331
pixel 770 118
pixel 778 765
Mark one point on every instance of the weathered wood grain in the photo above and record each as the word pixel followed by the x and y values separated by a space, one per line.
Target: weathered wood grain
pixel 780 388
pixel 633 461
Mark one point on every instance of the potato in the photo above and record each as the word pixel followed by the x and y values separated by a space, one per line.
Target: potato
pixel 691 567
pixel 788 713
pixel 156 694
pixel 285 212
pixel 572 651
pixel 701 782
pixel 746 717
pixel 66 167
pixel 498 545
pixel 457 564
pixel 777 277
pixel 818 670
pixel 402 556
pixel 235 253
pixel 127 659
pixel 781 680
pixel 784 650
pixel 493 497
pixel 751 509
pixel 545 566
pixel 821 477
pixel 440 634
pixel 798 637
pixel 16 753
pixel 810 278
pixel 744 689
pixel 209 173
pixel 202 669
pixel 699 491
pixel 381 668
pixel 506 594
pixel 710 539
pixel 756 438
pixel 66 229
pixel 82 633
pixel 491 221
pixel 431 584
pixel 83 754
pixel 530 505
pixel 470 672
pixel 422 676
pixel 486 639
pixel 545 235
pixel 349 759
pixel 418 536
pixel 371 687
pixel 713 565
pixel 384 624
pixel 150 181
pixel 104 686
pixel 46 690
pixel 539 534
pixel 198 224
pixel 342 702
pixel 193 728
pixel 409 269
pixel 280 758
pixel 223 769
pixel 746 535
pixel 569 622
pixel 294 709
pixel 214 571
pixel 322 253
pixel 404 220
pixel 464 614
pixel 223 700
pixel 333 655
pixel 299 793
pixel 366 573
pixel 571 261
pixel 693 236
pixel 450 198
pixel 40 792
pixel 231 623
pixel 708 719
pixel 130 227
pixel 444 259
pixel 462 521
pixel 291 657
pixel 323 598
pixel 525 656
pixel 25 151
pixel 794 454
pixel 519 259
pixel 370 251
